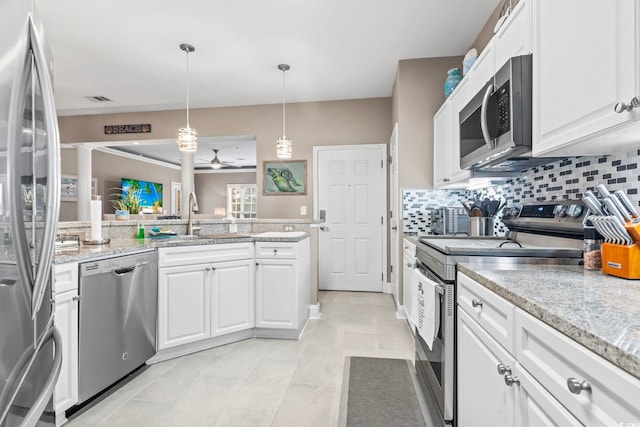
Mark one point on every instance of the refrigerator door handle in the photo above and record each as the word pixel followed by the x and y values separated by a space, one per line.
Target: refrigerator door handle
pixel 18 375
pixel 43 271
pixel 40 404
pixel 16 117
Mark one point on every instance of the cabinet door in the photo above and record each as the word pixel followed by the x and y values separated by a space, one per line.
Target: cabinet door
pixel 584 62
pixel 458 100
pixel 484 399
pixel 409 299
pixel 442 146
pixel 276 294
pixel 184 305
pixel 482 70
pixel 232 296
pixel 66 319
pixel 514 37
pixel 536 406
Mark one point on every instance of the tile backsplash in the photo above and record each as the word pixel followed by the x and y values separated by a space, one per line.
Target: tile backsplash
pixel 565 179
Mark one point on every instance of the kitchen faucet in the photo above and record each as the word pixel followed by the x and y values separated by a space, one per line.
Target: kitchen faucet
pixel 193 207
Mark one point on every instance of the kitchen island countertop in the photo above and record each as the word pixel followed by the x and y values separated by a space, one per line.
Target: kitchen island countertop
pixel 599 311
pixel 125 246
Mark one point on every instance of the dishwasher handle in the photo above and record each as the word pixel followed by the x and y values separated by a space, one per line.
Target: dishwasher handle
pixel 130 269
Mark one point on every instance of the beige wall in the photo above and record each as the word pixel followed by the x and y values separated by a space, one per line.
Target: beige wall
pixel 487 31
pixel 211 188
pixel 110 169
pixel 361 121
pixel 419 93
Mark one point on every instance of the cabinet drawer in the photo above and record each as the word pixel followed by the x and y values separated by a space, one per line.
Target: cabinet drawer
pixel 552 358
pixel 198 254
pixel 492 312
pixel 276 250
pixel 65 277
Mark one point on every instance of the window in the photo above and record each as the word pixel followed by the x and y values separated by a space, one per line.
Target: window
pixel 241 200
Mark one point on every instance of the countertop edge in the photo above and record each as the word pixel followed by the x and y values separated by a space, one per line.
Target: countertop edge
pixel 595 343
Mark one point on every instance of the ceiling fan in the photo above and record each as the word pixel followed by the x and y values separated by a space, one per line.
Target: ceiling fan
pixel 217 164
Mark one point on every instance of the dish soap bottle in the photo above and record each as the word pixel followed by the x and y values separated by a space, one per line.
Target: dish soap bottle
pixel 141 226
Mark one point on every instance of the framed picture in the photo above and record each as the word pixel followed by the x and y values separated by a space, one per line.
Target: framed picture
pixel 175 198
pixel 284 177
pixel 69 188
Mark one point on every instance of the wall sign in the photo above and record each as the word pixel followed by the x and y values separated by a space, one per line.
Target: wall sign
pixel 116 129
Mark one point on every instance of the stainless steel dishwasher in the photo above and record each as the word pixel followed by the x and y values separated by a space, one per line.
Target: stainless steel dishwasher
pixel 118 307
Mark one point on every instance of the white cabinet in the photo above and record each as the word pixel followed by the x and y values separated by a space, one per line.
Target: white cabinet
pixel 514 36
pixel 199 300
pixel 232 296
pixel 536 361
pixel 409 299
pixel 282 284
pixel 184 305
pixel 66 319
pixel 586 58
pixel 458 100
pixel 442 146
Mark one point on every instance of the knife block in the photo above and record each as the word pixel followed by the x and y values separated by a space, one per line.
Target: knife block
pixel 621 260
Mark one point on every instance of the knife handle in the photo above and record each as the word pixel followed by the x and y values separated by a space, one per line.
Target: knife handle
pixel 602 190
pixel 626 203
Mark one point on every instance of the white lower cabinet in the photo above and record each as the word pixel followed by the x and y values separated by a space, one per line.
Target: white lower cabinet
pixel 282 284
pixel 522 378
pixel 184 305
pixel 65 394
pixel 232 296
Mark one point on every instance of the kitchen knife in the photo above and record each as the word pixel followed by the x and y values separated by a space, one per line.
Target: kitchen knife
pixel 602 190
pixel 622 231
pixel 598 222
pixel 613 209
pixel 594 206
pixel 626 203
pixel 589 195
pixel 606 223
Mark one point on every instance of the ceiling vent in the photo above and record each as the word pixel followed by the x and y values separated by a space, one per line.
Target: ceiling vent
pixel 98 98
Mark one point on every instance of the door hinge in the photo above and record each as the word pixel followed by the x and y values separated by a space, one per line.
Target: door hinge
pixel 390 214
pixel 390 159
pixel 382 164
pixel 381 220
pixel 382 276
pixel 391 268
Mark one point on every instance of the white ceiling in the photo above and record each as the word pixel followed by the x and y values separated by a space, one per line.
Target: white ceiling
pixel 128 51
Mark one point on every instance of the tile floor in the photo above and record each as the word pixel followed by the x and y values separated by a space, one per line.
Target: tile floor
pixel 261 382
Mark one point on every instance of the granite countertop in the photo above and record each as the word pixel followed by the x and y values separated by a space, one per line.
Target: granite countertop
pixel 125 246
pixel 599 311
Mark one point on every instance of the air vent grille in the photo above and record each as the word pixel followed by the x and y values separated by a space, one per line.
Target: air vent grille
pixel 98 98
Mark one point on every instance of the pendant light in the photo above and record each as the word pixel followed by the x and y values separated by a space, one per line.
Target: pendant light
pixel 284 144
pixel 187 136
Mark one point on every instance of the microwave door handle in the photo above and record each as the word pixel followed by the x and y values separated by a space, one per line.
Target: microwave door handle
pixel 483 117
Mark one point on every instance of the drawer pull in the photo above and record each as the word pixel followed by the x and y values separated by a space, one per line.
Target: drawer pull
pixel 509 380
pixel 476 303
pixel 576 386
pixel 504 369
pixel 275 252
pixel 409 265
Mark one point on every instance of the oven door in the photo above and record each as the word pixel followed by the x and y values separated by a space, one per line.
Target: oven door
pixel 435 366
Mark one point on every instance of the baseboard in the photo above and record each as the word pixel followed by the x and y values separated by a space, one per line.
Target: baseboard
pixel 401 312
pixel 314 311
pixel 387 288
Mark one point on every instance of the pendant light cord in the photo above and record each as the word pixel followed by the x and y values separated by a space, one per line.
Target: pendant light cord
pixel 187 88
pixel 284 114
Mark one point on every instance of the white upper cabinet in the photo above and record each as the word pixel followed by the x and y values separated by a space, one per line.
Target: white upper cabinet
pixel 586 59
pixel 514 36
pixel 458 100
pixel 442 146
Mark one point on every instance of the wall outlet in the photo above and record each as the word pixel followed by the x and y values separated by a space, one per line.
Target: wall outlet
pixel 303 210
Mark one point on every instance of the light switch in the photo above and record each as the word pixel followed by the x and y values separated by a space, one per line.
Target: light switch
pixel 303 210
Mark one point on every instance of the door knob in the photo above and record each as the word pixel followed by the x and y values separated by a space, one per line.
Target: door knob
pixel 395 227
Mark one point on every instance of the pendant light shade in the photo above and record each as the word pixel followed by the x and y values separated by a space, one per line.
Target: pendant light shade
pixel 284 145
pixel 187 136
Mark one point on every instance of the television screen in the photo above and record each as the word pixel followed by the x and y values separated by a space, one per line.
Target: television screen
pixel 150 194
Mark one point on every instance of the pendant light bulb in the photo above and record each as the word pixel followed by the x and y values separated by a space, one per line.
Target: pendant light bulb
pixel 284 145
pixel 187 136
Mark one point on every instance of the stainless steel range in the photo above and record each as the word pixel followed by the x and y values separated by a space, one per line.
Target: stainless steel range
pixel 542 233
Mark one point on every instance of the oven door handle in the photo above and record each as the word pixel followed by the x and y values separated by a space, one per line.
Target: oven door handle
pixel 484 126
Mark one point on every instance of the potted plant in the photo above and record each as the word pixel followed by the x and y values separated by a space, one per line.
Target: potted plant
pixel 127 202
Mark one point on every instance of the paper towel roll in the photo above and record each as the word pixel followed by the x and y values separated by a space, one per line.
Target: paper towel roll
pixel 96 218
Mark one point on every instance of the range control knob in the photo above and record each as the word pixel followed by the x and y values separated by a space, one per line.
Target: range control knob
pixel 515 211
pixel 560 210
pixel 574 211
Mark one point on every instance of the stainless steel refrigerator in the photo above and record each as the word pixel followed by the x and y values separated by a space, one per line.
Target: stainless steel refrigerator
pixel 30 350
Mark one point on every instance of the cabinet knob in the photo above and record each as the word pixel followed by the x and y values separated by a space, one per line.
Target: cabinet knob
pixel 395 227
pixel 208 269
pixel 621 107
pixel 76 298
pixel 409 265
pixel 504 369
pixel 275 252
pixel 576 386
pixel 324 228
pixel 476 303
pixel 509 380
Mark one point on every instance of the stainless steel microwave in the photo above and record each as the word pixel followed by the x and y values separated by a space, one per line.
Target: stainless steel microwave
pixel 495 126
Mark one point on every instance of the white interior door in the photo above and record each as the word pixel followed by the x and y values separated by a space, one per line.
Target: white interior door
pixel 394 219
pixel 351 189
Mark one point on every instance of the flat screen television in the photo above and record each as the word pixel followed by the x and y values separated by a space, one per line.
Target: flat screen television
pixel 150 194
